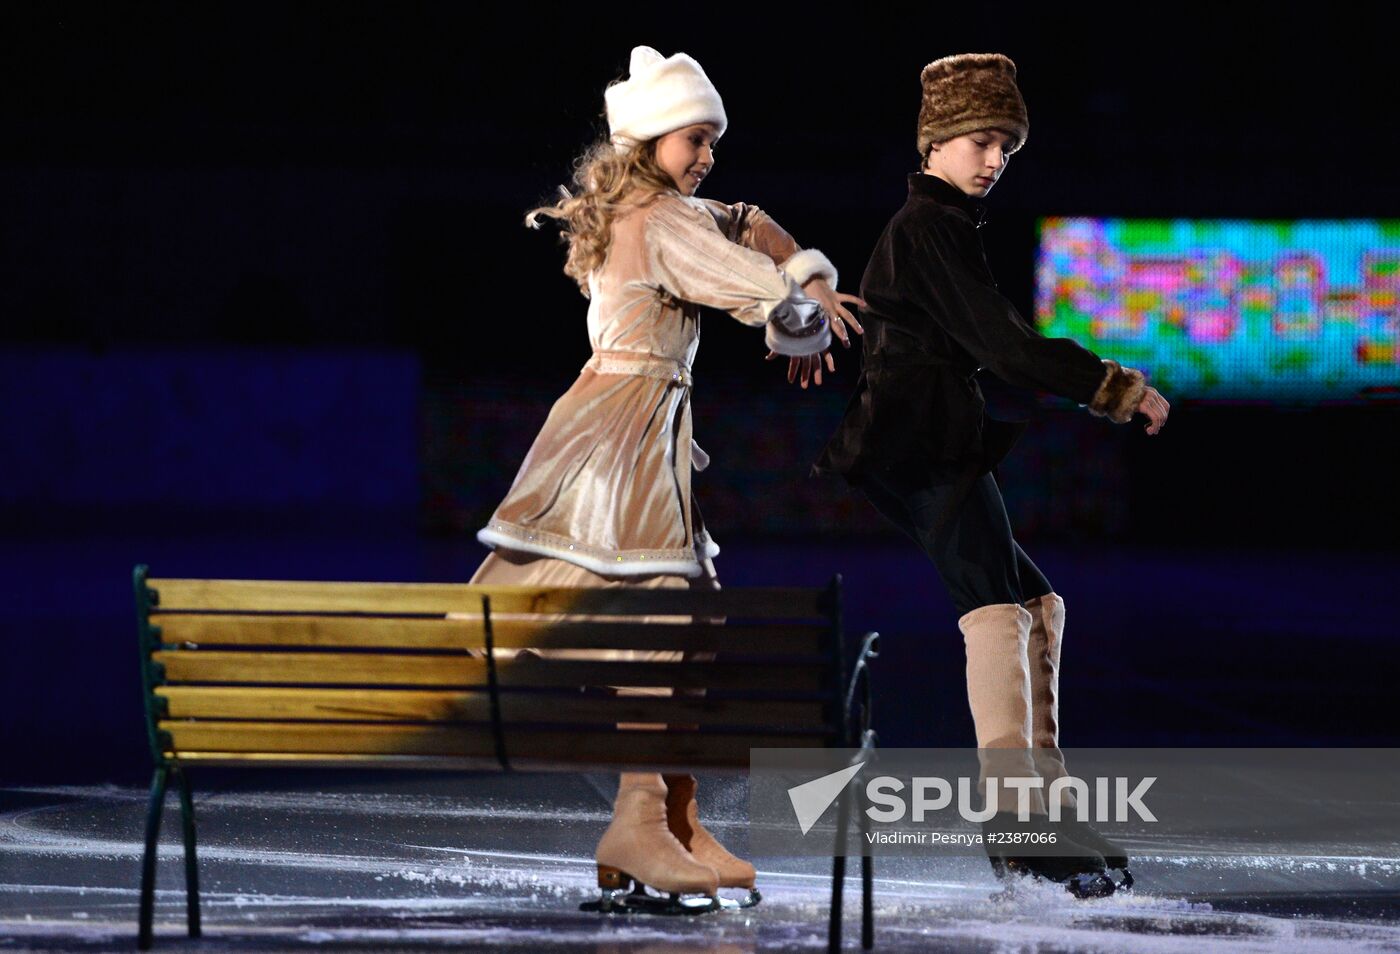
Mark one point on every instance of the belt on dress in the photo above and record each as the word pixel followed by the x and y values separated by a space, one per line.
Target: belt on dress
pixel 649 366
pixel 640 363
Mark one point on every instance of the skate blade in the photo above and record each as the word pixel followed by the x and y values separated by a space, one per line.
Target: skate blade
pixel 1088 886
pixel 640 901
pixel 747 901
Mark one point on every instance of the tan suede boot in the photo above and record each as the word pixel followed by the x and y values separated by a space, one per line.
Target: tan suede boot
pixel 999 694
pixel 1043 655
pixel 639 847
pixel 1043 649
pixel 999 691
pixel 683 818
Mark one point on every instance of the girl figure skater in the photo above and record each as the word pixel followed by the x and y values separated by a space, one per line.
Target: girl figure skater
pixel 916 441
pixel 603 497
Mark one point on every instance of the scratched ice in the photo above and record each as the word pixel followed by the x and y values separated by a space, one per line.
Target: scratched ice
pixel 368 863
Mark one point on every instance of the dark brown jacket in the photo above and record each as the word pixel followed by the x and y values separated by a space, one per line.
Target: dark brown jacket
pixel 935 317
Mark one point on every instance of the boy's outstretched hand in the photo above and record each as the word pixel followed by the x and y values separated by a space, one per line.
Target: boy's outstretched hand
pixel 1153 405
pixel 809 367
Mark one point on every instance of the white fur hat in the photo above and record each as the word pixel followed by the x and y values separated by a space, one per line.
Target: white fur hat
pixel 660 94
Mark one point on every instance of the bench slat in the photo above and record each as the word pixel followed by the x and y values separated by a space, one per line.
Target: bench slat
pixel 363 705
pixel 587 747
pixel 437 763
pixel 316 668
pixel 443 763
pixel 387 598
pixel 306 630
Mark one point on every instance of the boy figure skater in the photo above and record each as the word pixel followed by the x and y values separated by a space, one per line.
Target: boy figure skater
pixel 916 441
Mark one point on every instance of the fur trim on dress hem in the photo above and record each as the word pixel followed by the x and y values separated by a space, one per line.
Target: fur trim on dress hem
pixel 1119 394
pixel 706 548
pixel 622 564
pixel 808 264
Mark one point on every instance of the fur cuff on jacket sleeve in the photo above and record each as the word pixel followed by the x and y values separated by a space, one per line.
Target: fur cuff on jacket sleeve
pixel 809 264
pixel 1119 394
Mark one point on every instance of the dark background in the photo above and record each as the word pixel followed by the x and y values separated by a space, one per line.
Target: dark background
pixel 265 300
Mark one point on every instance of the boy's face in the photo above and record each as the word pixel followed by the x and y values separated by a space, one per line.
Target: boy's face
pixel 973 161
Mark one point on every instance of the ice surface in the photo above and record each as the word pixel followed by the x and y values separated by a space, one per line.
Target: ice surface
pixel 364 863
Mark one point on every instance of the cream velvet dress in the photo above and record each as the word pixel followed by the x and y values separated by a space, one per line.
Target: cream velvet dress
pixel 603 497
pixel 605 488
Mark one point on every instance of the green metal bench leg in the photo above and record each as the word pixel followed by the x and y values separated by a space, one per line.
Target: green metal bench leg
pixel 148 860
pixel 838 872
pixel 867 912
pixel 191 861
pixel 867 884
pixel 838 884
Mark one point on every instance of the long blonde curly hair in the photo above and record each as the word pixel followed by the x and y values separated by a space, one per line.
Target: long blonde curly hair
pixel 606 184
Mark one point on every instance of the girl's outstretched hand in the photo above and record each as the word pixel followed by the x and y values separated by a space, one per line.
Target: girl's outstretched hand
pixel 807 367
pixel 833 303
pixel 1153 405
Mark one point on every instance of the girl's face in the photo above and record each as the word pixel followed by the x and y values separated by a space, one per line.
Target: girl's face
pixel 687 155
pixel 973 161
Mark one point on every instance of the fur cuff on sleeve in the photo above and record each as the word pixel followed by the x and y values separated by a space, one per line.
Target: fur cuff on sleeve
pixel 1119 394
pixel 809 264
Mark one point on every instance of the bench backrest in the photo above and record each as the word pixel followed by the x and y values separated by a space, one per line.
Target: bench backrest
pixel 305 673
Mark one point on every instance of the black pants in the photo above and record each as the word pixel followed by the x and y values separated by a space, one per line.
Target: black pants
pixel 972 547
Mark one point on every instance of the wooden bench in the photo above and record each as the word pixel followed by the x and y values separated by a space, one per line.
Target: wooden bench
pixel 271 674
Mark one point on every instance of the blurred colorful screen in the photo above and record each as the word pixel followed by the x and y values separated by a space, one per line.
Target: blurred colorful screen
pixel 1265 310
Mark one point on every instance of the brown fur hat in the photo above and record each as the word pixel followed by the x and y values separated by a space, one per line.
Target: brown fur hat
pixel 967 92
